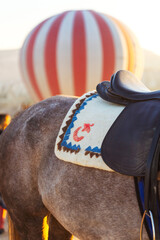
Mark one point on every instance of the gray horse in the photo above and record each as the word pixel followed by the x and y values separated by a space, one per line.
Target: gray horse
pixel 88 203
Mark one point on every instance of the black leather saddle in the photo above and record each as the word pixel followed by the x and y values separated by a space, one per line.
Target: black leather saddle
pixel 134 128
pixel 124 87
pixel 132 145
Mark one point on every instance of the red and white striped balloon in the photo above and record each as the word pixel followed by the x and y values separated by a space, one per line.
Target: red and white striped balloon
pixel 72 52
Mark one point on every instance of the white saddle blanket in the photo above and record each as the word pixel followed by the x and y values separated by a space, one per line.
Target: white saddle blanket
pixel 83 130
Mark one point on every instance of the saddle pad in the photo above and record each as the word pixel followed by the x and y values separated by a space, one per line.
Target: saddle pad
pixel 83 130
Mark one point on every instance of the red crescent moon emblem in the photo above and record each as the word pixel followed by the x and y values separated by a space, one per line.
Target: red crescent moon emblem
pixel 87 128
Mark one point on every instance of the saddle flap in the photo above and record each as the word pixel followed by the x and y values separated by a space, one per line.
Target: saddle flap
pixel 126 146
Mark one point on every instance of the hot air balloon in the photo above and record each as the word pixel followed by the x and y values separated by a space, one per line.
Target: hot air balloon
pixel 70 53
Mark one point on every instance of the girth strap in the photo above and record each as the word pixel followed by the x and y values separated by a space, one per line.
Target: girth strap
pixel 151 191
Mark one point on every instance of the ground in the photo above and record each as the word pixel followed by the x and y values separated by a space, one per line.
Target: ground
pixel 4 236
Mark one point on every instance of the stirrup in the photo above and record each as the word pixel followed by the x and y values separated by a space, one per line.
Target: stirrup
pixel 152 223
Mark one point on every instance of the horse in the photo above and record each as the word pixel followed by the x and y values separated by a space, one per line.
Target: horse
pixel 88 203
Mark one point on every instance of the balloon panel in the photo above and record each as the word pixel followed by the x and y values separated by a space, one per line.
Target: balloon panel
pixel 72 52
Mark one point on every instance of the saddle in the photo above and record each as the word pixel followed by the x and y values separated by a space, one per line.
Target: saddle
pixel 134 136
pixel 124 87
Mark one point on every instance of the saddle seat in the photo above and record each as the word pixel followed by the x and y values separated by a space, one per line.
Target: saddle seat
pixel 124 87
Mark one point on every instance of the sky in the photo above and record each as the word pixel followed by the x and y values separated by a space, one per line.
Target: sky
pixel 19 17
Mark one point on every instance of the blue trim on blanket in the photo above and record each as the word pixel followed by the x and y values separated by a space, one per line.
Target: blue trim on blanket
pixel 95 149
pixel 68 132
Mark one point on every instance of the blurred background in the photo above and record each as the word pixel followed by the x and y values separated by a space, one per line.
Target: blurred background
pixel 19 17
pixel 134 34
